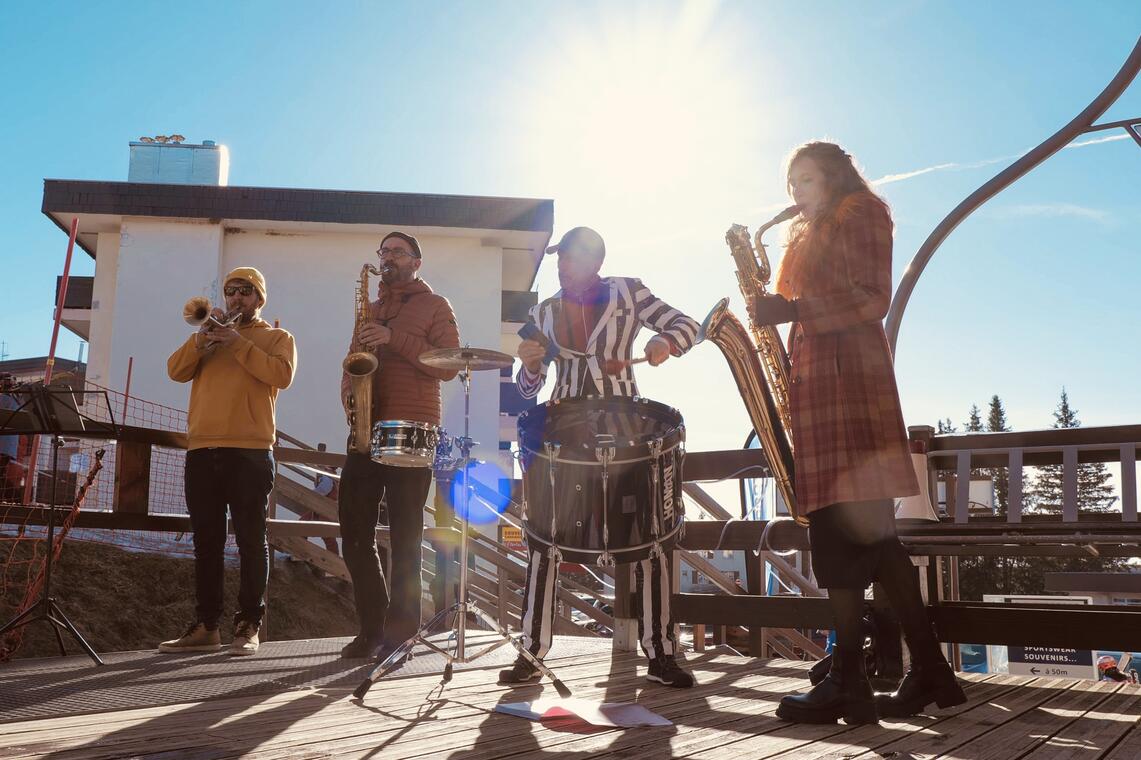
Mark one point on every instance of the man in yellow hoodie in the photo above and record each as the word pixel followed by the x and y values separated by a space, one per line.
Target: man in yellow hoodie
pixel 235 372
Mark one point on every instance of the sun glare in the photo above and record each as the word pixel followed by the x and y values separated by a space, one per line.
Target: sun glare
pixel 642 108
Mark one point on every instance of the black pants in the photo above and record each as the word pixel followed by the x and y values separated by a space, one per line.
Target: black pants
pixel 241 480
pixel 385 610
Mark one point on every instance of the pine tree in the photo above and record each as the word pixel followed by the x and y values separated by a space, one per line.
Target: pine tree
pixel 974 424
pixel 980 574
pixel 1095 494
pixel 943 427
pixel 1000 476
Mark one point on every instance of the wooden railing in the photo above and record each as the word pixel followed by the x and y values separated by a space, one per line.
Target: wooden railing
pixel 496 591
pixel 1070 533
pixel 1069 447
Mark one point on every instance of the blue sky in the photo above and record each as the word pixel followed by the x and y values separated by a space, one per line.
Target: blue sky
pixel 659 124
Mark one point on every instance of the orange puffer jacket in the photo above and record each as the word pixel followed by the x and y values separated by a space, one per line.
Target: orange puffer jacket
pixel 420 320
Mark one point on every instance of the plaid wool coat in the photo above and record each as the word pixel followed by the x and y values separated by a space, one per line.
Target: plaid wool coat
pixel 847 426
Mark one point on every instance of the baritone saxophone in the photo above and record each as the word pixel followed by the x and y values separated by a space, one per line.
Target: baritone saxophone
pixel 759 364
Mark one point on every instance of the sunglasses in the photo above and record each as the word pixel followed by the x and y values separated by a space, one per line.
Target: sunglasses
pixel 233 290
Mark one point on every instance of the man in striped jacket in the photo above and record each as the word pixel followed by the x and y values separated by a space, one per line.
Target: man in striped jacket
pixel 589 321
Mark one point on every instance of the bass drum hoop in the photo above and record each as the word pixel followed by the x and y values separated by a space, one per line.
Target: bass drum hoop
pixel 626 451
pixel 621 555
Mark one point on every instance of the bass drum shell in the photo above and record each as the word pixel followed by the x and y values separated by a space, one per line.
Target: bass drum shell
pixel 631 427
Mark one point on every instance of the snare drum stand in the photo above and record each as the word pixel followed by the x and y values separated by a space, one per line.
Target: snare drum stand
pixel 463 606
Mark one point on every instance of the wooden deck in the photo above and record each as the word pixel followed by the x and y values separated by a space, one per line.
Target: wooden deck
pixel 728 715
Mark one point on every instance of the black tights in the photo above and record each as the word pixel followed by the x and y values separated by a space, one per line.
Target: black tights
pixel 901 584
pixel 848 609
pixel 890 566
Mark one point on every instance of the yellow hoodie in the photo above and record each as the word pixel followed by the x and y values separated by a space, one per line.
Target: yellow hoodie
pixel 235 387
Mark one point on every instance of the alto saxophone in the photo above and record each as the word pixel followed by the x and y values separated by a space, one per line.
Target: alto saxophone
pixel 759 365
pixel 360 364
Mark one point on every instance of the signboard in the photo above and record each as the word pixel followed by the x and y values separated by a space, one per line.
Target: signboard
pixel 1056 662
pixel 511 537
pixel 1051 661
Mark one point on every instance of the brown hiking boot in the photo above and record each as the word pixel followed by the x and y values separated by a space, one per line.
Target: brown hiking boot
pixel 245 638
pixel 198 638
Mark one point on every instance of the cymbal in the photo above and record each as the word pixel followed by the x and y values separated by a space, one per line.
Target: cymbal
pixel 466 358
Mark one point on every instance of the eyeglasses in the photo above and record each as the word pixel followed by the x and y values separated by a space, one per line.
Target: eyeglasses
pixel 395 253
pixel 233 290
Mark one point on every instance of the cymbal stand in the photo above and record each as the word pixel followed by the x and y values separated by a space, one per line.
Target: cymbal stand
pixel 463 605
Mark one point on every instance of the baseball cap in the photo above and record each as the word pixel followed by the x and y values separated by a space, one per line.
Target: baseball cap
pixel 583 237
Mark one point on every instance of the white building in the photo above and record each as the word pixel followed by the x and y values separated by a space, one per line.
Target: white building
pixel 158 241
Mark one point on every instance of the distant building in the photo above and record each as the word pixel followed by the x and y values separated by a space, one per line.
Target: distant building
pixel 731 564
pixel 32 368
pixel 175 228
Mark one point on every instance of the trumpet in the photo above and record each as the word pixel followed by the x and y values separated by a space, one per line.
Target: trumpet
pixel 197 310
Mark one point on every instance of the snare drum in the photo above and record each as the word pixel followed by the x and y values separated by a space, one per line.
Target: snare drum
pixel 402 443
pixel 602 477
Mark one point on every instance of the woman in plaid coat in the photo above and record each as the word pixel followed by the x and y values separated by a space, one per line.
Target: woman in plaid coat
pixel 851 453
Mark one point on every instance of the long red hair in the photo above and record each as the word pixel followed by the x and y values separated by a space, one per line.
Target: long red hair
pixel 806 258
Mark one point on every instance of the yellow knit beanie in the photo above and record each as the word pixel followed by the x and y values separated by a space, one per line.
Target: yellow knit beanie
pixel 254 276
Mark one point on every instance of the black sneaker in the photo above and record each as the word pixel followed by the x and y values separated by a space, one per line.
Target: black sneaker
pixel 360 648
pixel 521 672
pixel 665 670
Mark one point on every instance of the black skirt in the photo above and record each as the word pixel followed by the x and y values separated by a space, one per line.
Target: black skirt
pixel 848 540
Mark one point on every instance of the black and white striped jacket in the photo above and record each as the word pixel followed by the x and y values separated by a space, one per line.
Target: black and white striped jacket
pixel 631 305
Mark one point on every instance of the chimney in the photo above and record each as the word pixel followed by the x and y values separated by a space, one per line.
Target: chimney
pixel 168 160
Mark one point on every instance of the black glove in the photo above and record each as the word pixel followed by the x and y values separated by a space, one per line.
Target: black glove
pixel 772 310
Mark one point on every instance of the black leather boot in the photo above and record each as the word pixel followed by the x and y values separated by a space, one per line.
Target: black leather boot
pixel 819 671
pixel 925 682
pixel 844 693
pixel 929 679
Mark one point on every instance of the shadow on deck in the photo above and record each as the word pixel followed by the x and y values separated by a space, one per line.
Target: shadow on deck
pixel 294 700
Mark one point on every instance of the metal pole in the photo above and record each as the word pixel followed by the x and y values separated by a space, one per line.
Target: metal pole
pixel 1001 181
pixel 463 604
pixel 61 299
pixel 127 389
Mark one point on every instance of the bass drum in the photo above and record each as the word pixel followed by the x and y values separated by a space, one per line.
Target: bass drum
pixel 602 477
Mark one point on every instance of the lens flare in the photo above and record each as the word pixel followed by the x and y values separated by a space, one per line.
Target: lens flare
pixel 489 492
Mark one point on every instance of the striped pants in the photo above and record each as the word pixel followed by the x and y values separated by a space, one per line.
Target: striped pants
pixel 652 584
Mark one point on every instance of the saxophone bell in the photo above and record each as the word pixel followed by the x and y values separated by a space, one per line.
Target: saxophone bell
pixel 713 318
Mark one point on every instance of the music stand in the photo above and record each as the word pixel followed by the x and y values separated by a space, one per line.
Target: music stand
pixel 54 412
pixel 466 359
